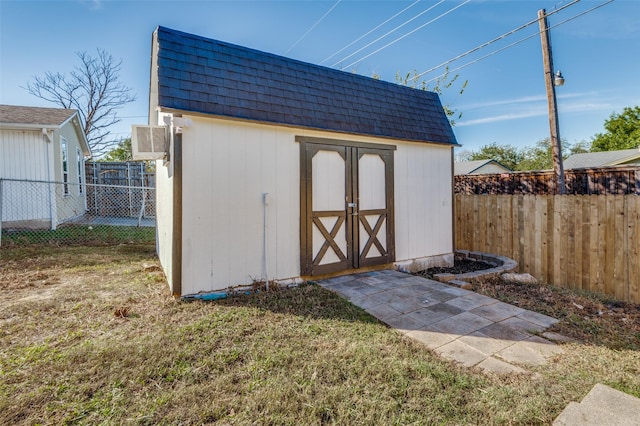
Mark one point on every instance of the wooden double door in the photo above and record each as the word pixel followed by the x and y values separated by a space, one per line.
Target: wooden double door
pixel 346 213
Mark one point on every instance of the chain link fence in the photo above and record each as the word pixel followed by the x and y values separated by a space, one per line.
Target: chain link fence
pixel 64 213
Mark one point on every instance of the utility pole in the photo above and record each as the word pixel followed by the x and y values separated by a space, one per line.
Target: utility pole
pixel 547 60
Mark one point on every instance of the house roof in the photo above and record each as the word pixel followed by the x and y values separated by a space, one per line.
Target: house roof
pixel 602 159
pixel 208 76
pixel 468 167
pixel 27 117
pixel 36 116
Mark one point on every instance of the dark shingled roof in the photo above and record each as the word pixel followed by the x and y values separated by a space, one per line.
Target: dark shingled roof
pixel 15 114
pixel 207 76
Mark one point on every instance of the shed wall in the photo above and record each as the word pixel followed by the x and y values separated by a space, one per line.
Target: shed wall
pixel 423 203
pixel 229 165
pixel 164 221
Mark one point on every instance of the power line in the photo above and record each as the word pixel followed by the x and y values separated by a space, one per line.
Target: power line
pixel 468 52
pixel 390 32
pixel 407 34
pixel 521 40
pixel 313 26
pixel 370 31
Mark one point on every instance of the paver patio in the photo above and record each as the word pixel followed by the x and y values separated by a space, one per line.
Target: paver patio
pixel 467 327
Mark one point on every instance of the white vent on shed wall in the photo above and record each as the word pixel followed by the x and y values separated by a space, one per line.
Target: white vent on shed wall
pixel 149 142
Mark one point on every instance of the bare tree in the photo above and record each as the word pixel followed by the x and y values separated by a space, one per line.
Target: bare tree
pixel 93 88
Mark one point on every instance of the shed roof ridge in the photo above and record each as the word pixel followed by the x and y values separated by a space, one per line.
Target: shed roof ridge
pixel 288 59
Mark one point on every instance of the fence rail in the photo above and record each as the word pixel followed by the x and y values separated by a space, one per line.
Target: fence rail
pixel 600 181
pixel 34 211
pixel 589 242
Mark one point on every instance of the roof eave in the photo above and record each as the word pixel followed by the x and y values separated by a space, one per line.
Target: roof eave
pixel 25 126
pixel 163 109
pixel 622 161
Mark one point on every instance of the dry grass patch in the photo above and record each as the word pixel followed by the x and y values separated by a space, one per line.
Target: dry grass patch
pixel 100 340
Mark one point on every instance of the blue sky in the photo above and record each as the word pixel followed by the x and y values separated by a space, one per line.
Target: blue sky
pixel 504 102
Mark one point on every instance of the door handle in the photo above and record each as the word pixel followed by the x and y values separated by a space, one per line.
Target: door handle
pixel 352 205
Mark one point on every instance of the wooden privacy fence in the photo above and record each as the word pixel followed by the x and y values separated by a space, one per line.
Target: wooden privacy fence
pixel 604 180
pixel 589 242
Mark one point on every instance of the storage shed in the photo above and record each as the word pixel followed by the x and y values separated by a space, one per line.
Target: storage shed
pixel 283 170
pixel 42 154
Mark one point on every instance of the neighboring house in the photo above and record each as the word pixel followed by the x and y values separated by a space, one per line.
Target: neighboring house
pixel 479 167
pixel 284 170
pixel 41 145
pixel 624 157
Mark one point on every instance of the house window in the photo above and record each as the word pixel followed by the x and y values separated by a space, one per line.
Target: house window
pixel 65 166
pixel 79 159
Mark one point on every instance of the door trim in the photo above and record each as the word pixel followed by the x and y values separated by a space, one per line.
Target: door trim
pixel 309 146
pixel 355 144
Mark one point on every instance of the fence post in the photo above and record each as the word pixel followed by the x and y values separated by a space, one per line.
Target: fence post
pixel 53 205
pixel 95 189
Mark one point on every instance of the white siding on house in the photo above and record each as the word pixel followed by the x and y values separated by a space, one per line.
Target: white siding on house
pixel 229 165
pixel 74 203
pixel 29 155
pixel 24 155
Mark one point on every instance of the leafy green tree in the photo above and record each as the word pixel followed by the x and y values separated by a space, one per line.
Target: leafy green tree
pixel 622 131
pixel 540 156
pixel 537 157
pixel 122 152
pixel 577 148
pixel 507 155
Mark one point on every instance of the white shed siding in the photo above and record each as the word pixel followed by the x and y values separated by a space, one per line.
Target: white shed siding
pixel 423 201
pixel 229 165
pixel 164 219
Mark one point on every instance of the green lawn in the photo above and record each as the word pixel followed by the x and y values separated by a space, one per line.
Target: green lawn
pixel 91 335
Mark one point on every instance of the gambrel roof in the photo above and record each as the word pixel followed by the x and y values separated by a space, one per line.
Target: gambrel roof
pixel 202 75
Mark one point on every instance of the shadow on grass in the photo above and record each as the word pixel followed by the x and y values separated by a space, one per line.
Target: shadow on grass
pixel 306 300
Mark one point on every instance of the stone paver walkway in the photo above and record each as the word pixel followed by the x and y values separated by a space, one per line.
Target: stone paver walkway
pixel 467 327
pixel 602 406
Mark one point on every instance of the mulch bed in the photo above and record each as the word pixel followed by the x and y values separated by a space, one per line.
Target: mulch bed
pixel 460 266
pixel 586 317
